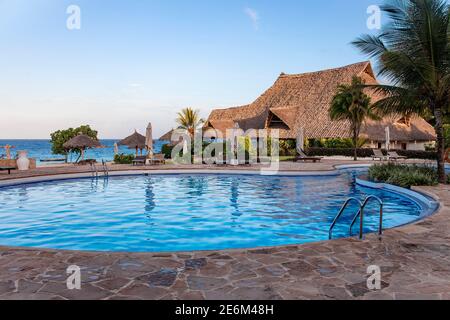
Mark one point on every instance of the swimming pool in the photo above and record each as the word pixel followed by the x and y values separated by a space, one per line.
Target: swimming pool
pixel 188 212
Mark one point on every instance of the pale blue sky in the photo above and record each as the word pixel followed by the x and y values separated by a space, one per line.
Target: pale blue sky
pixel 137 61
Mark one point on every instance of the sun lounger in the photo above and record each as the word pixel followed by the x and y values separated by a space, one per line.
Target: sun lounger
pixel 394 156
pixel 54 160
pixel 378 154
pixel 9 169
pixel 139 160
pixel 303 157
pixel 156 159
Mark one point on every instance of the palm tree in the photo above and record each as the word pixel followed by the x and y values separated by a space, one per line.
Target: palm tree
pixel 351 104
pixel 189 119
pixel 413 54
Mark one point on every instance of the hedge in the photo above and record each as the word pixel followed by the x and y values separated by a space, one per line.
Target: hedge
pixel 123 158
pixel 368 153
pixel 403 175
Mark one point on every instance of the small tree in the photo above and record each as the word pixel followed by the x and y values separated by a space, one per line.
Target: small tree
pixel 60 137
pixel 189 119
pixel 353 105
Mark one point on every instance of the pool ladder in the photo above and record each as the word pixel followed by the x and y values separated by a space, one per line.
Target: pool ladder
pixel 360 214
pixel 105 170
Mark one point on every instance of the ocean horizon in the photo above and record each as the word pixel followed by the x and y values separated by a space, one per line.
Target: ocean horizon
pixel 41 149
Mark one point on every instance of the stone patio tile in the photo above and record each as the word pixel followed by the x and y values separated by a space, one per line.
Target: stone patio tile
pixel 161 278
pixel 205 283
pixel 113 284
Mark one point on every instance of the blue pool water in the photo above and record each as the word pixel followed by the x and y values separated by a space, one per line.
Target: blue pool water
pixel 187 212
pixel 42 149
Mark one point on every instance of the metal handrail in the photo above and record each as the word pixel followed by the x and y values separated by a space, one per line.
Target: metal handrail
pixel 105 168
pixel 330 232
pixel 361 215
pixel 94 170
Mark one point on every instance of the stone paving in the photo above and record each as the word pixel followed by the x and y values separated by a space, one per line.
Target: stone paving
pixel 414 261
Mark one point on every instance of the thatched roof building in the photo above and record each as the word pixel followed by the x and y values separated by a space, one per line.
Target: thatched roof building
pixel 302 101
pixel 167 136
pixel 135 141
pixel 82 142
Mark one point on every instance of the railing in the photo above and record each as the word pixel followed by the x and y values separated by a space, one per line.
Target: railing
pixel 330 232
pixel 105 168
pixel 94 170
pixel 361 215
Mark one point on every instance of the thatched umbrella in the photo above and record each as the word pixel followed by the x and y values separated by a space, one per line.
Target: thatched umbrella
pixel 388 138
pixel 300 140
pixel 81 142
pixel 135 141
pixel 167 136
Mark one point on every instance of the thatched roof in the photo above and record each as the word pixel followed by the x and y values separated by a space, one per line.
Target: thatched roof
pixel 167 136
pixel 136 140
pixel 303 101
pixel 82 141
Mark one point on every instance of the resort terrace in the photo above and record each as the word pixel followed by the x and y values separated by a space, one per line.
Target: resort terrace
pixel 414 259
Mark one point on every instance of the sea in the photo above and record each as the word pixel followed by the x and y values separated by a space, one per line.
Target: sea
pixel 42 150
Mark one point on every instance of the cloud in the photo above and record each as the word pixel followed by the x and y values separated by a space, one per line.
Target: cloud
pixel 254 17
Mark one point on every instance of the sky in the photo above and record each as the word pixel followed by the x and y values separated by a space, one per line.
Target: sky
pixel 133 62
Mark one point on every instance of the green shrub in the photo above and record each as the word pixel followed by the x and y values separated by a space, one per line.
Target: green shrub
pixel 288 148
pixel 335 143
pixel 404 175
pixel 123 158
pixel 167 150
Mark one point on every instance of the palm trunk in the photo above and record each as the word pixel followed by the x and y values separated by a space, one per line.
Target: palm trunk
pixel 440 145
pixel 355 143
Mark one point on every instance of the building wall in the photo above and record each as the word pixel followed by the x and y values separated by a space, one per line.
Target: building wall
pixel 13 163
pixel 399 145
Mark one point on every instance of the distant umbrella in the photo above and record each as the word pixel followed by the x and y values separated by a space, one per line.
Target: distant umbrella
pixel 300 140
pixel 135 141
pixel 82 142
pixel 388 138
pixel 167 136
pixel 149 139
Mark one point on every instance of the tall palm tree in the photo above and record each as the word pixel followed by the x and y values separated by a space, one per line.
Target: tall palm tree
pixel 413 54
pixel 189 119
pixel 351 104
